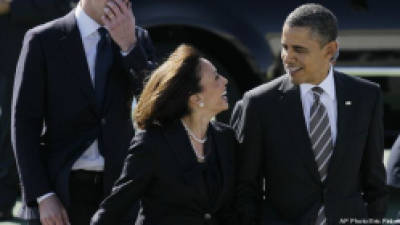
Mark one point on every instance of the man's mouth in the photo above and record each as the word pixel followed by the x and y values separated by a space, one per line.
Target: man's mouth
pixel 292 69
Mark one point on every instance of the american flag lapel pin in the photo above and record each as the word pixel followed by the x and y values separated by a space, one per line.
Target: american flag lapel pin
pixel 347 103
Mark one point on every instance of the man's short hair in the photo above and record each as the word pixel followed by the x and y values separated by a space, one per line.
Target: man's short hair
pixel 319 19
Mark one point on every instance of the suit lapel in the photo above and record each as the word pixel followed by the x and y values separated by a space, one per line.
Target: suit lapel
pixel 293 115
pixel 72 48
pixel 344 115
pixel 179 143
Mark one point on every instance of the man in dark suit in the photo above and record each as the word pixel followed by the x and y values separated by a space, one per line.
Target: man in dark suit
pixel 393 167
pixel 16 17
pixel 71 117
pixel 311 141
pixel 393 171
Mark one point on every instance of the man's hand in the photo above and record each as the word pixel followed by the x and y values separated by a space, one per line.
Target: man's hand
pixel 52 212
pixel 4 6
pixel 120 22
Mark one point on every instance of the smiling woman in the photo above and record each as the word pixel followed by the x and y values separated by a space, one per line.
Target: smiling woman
pixel 180 165
pixel 185 84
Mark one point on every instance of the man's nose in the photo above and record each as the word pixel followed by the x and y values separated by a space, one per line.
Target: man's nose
pixel 287 56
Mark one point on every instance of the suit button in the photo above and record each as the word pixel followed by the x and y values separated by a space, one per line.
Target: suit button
pixel 103 121
pixel 207 216
pixel 132 71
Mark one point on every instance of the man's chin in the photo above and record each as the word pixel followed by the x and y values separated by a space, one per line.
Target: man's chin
pixel 296 79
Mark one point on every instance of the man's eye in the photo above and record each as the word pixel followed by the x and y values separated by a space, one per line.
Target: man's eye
pixel 300 50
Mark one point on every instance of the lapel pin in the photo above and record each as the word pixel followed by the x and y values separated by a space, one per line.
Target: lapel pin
pixel 347 102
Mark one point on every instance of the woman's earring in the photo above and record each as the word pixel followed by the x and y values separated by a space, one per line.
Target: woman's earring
pixel 201 104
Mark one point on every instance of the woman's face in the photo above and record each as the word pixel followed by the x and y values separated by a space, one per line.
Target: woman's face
pixel 213 94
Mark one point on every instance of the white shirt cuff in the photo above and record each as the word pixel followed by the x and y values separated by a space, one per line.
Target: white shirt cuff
pixel 43 197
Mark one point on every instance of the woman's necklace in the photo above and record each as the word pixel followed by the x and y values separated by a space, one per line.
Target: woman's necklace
pixel 191 134
pixel 200 158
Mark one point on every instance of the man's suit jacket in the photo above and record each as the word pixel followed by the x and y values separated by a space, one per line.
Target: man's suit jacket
pixel 275 148
pixel 393 167
pixel 55 117
pixel 23 14
pixel 159 171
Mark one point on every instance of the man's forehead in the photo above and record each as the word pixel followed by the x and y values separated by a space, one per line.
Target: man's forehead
pixel 299 34
pixel 298 30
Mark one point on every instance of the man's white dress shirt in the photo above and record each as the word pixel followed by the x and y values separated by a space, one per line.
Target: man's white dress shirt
pixel 328 99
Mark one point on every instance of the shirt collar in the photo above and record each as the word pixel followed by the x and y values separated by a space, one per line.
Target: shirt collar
pixel 86 24
pixel 328 85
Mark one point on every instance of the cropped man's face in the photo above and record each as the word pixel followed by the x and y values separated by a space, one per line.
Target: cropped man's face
pixel 95 8
pixel 303 57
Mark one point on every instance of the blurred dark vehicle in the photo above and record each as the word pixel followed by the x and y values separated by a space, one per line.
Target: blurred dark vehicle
pixel 243 39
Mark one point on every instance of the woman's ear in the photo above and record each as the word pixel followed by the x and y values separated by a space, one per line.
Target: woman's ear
pixel 196 100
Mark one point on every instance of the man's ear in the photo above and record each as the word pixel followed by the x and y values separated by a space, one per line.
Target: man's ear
pixel 331 49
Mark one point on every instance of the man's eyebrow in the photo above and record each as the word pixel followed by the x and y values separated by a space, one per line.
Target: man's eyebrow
pixel 295 46
pixel 299 47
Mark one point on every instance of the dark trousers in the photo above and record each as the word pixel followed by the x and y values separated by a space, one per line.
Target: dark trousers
pixel 86 191
pixel 86 194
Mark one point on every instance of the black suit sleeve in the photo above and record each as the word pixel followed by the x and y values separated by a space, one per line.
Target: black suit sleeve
pixel 27 118
pixel 38 11
pixel 247 126
pixel 372 168
pixel 141 60
pixel 135 178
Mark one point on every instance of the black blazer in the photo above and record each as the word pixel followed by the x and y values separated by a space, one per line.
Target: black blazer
pixel 275 147
pixel 54 114
pixel 24 14
pixel 158 171
pixel 393 166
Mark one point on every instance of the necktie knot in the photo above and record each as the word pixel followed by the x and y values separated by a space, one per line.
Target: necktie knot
pixel 102 32
pixel 317 91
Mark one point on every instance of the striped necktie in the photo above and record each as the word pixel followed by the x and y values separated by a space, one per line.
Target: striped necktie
pixel 321 140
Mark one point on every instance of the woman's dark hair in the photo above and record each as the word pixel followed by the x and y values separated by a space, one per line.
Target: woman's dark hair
pixel 166 95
